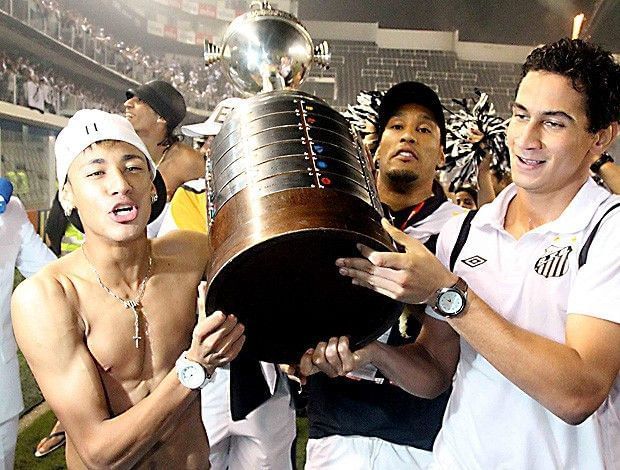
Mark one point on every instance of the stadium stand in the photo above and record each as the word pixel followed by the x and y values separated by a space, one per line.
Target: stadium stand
pixel 364 66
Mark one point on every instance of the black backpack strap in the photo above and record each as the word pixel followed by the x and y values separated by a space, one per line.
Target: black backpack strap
pixel 462 238
pixel 431 243
pixel 583 254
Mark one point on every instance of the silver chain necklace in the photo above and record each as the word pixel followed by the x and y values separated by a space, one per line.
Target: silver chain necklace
pixel 133 304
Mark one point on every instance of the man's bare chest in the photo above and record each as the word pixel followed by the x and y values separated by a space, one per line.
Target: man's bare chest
pixel 136 342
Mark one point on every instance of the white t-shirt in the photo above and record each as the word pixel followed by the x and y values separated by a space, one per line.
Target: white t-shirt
pixel 533 282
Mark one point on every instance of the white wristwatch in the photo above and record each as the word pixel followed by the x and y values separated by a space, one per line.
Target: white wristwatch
pixel 191 374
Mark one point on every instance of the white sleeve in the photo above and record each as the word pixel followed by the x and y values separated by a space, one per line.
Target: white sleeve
pixel 33 254
pixel 596 290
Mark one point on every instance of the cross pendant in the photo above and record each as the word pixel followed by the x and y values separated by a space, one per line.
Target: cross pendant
pixel 132 304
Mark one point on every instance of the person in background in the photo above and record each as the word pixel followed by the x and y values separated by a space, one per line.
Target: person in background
pixel 466 197
pixel 154 110
pixel 21 248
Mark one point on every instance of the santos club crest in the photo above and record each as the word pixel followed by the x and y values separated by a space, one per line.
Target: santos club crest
pixel 554 263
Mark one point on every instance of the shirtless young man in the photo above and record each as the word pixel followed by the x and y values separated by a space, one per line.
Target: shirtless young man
pixel 102 327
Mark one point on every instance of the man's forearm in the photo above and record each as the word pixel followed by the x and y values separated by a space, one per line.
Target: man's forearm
pixel 412 368
pixel 121 441
pixel 486 193
pixel 554 374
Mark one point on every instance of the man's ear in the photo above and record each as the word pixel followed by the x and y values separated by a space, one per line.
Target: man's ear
pixel 65 197
pixel 161 120
pixel 442 158
pixel 605 138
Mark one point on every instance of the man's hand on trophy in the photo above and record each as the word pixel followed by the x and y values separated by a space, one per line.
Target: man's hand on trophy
pixel 216 340
pixel 334 358
pixel 411 277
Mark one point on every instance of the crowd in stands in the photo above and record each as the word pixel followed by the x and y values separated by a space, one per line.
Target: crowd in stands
pixel 202 88
pixel 41 88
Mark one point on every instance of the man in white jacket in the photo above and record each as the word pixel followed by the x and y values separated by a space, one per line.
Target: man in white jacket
pixel 20 247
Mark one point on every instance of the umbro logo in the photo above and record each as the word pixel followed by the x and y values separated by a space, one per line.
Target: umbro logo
pixel 474 261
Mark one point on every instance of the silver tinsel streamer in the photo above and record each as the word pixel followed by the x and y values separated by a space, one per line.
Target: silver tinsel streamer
pixel 463 157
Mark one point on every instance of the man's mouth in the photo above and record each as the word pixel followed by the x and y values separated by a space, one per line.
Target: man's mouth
pixel 124 213
pixel 122 209
pixel 406 155
pixel 530 162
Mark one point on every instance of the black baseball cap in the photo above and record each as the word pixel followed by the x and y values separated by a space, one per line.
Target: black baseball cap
pixel 163 98
pixel 410 93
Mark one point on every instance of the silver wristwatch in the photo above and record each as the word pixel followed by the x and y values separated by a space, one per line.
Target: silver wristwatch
pixel 450 301
pixel 191 374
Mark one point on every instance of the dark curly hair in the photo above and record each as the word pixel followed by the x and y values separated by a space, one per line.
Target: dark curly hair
pixel 592 71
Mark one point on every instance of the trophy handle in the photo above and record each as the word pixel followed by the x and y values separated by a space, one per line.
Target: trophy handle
pixel 260 5
pixel 212 54
pixel 322 55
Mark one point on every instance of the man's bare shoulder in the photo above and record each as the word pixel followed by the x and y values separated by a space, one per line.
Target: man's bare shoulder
pixel 182 148
pixel 184 244
pixel 52 281
pixel 49 299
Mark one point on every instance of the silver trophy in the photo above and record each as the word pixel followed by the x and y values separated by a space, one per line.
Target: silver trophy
pixel 266 50
pixel 290 189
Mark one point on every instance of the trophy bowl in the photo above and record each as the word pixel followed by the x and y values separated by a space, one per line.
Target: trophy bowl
pixel 266 49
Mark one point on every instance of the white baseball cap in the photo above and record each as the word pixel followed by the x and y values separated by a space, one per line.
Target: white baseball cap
pixel 88 126
pixel 212 125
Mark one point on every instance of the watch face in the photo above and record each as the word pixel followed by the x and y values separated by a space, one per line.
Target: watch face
pixel 450 302
pixel 192 376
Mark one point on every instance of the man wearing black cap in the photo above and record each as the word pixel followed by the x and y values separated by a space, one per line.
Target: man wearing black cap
pixel 369 423
pixel 155 109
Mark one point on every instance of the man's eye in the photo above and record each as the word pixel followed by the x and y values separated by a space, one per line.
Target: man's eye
pixel 425 130
pixel 554 124
pixel 95 173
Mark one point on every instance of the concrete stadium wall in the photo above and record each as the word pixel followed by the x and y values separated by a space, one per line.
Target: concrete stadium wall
pixel 417 39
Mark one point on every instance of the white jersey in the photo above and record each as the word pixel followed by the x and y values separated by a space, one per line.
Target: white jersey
pixel 533 282
pixel 423 229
